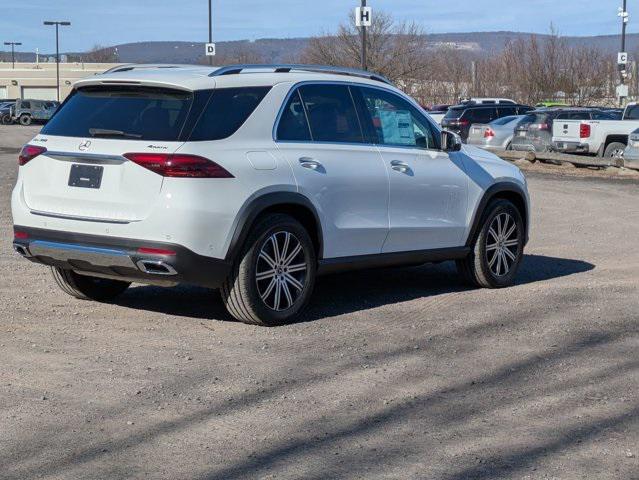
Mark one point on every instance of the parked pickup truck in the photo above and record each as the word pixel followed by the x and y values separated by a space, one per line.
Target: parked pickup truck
pixel 605 138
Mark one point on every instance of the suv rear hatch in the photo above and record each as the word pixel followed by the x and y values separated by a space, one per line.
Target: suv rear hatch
pixel 83 172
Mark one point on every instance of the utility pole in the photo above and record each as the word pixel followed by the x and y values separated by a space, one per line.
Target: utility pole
pixel 210 29
pixel 57 52
pixel 364 62
pixel 13 53
pixel 363 19
pixel 622 57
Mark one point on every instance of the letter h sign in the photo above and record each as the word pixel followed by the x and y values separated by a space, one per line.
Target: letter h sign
pixel 363 17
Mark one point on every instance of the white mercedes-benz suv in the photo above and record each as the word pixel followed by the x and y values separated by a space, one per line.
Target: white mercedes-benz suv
pixel 255 179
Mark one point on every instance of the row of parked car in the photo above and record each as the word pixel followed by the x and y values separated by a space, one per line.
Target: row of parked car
pixel 26 111
pixel 504 124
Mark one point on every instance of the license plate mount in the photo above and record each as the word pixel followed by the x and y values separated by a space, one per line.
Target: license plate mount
pixel 85 176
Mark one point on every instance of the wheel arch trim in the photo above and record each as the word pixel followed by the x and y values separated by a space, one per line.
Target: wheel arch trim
pixel 492 192
pixel 255 206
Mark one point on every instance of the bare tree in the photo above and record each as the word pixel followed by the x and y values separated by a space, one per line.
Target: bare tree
pixel 396 50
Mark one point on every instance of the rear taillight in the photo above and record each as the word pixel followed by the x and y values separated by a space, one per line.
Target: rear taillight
pixel 29 152
pixel 489 133
pixel 17 235
pixel 179 165
pixel 584 130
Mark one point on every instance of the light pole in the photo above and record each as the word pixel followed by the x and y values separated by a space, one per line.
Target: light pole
pixel 57 52
pixel 210 29
pixel 13 53
pixel 364 62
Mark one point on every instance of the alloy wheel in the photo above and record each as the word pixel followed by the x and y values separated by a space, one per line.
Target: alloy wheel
pixel 281 271
pixel 502 244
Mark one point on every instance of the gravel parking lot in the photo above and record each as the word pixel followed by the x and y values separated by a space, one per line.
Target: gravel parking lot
pixel 393 374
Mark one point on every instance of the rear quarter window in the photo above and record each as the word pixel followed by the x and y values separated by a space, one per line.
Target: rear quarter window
pixel 226 112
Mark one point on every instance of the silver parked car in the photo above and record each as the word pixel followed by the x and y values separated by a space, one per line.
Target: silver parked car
pixel 496 134
pixel 631 153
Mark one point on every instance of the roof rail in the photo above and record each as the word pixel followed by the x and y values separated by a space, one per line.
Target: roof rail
pixel 140 66
pixel 287 67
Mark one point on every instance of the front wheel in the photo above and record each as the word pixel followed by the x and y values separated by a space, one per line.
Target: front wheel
pixel 25 120
pixel 497 249
pixel 272 280
pixel 86 287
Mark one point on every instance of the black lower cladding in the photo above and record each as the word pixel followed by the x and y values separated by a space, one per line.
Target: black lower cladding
pixel 190 267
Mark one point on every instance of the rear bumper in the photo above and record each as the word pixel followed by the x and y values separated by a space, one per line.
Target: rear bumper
pixel 570 147
pixel 119 258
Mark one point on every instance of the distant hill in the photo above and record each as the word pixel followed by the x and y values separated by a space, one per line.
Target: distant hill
pixel 288 49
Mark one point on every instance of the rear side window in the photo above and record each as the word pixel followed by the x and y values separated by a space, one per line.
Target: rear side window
pixel 293 125
pixel 26 105
pixel 331 113
pixel 122 112
pixel 505 111
pixel 226 112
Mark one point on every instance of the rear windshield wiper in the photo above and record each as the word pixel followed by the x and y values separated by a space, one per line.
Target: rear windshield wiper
pixel 105 132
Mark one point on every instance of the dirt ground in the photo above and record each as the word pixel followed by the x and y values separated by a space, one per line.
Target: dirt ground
pixel 393 374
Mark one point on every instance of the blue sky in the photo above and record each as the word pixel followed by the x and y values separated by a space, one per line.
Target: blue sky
pixel 119 21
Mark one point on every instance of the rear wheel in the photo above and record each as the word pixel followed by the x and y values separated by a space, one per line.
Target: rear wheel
pixel 6 119
pixel 86 287
pixel 615 150
pixel 272 280
pixel 25 119
pixel 497 249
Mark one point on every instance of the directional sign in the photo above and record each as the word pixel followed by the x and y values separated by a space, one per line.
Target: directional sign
pixel 210 49
pixel 622 58
pixel 363 17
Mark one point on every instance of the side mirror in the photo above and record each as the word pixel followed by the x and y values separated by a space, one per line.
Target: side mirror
pixel 450 141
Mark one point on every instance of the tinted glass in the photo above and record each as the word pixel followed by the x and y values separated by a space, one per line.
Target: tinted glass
pixel 522 110
pixel 25 105
pixel 480 115
pixel 527 120
pixel 331 113
pixel 395 121
pixel 574 116
pixel 603 116
pixel 503 120
pixel 137 112
pixel 453 113
pixel 632 112
pixel 505 111
pixel 226 112
pixel 293 124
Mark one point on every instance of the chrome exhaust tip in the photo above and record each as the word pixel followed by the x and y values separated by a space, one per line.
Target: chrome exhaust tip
pixel 155 267
pixel 22 250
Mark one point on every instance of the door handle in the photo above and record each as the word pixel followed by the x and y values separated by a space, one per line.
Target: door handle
pixel 400 166
pixel 309 163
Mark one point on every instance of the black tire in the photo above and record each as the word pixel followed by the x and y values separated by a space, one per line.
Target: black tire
pixel 613 148
pixel 478 268
pixel 242 292
pixel 25 120
pixel 85 287
pixel 6 119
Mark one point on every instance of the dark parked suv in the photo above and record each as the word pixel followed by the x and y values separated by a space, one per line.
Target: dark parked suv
pixel 459 118
pixel 534 133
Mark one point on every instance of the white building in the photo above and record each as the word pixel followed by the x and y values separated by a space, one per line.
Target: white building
pixel 38 80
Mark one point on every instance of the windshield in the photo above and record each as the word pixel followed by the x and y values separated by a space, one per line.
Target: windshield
pixel 143 113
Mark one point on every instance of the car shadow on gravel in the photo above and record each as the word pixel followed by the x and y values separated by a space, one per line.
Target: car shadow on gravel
pixel 348 292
